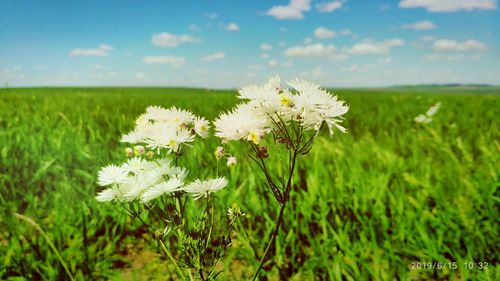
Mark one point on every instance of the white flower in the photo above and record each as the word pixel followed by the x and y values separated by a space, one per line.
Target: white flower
pixel 136 165
pixel 169 138
pixel 427 117
pixel 111 174
pixel 261 92
pixel 433 109
pixel 315 106
pixel 108 194
pixel 243 122
pixel 134 136
pixel 268 99
pixel 422 118
pixel 232 161
pixel 161 128
pixel 200 189
pixel 134 188
pixel 160 189
pixel 201 127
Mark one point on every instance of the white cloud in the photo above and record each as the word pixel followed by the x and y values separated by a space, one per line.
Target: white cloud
pixel 427 38
pixel 140 76
pixel 273 63
pixel 345 32
pixel 452 45
pixel 315 51
pixel 350 69
pixel 264 56
pixel 324 33
pixel 374 48
pixel 440 57
pixel 170 60
pixel 215 56
pixel 420 25
pixel 385 60
pixel 265 47
pixel 101 51
pixel 328 7
pixel 166 39
pixel 449 5
pixel 194 27
pixel 40 66
pixel 293 11
pixel 211 16
pixel 232 27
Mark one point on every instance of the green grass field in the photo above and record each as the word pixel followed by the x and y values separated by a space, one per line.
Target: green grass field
pixel 368 205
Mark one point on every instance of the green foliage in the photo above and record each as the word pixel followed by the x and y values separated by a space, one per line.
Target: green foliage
pixel 365 205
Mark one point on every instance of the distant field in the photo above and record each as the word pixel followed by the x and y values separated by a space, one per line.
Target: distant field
pixel 367 205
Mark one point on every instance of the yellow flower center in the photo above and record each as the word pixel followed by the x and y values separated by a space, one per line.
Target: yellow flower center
pixel 285 100
pixel 253 137
pixel 172 142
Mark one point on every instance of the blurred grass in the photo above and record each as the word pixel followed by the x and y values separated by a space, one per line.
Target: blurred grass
pixel 365 204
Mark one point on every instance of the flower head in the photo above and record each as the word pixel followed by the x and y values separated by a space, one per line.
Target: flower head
pixel 159 128
pixel 232 161
pixel 316 106
pixel 199 189
pixel 111 174
pixel 243 122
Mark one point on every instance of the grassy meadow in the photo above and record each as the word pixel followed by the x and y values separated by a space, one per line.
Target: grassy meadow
pixel 367 205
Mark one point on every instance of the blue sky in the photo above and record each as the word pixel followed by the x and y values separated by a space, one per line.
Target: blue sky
pixel 223 44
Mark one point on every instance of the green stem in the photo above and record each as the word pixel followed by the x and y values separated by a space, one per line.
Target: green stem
pixel 280 216
pixel 172 259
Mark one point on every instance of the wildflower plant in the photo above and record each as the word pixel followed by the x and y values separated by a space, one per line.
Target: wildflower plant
pixel 280 121
pixel 153 187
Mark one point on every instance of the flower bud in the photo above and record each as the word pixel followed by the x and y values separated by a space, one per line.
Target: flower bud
pixel 262 152
pixel 219 152
pixel 232 161
pixel 138 150
pixel 150 154
pixel 129 152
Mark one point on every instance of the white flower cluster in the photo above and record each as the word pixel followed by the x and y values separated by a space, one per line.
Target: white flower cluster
pixel 427 117
pixel 161 128
pixel 146 178
pixel 139 179
pixel 266 105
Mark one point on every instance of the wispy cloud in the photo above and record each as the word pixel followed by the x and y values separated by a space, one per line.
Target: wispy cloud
pixel 232 27
pixel 194 27
pixel 101 51
pixel 293 11
pixel 451 57
pixel 443 45
pixel 215 56
pixel 315 51
pixel 449 5
pixel 211 16
pixel 324 33
pixel 420 25
pixel 173 61
pixel 375 48
pixel 327 7
pixel 166 39
pixel 265 47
